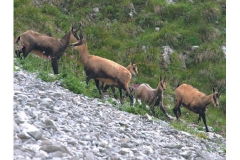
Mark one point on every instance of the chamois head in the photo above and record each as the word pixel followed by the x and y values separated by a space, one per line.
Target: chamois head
pixel 216 96
pixel 45 46
pixel 80 41
pixel 163 83
pixel 74 36
pixel 133 68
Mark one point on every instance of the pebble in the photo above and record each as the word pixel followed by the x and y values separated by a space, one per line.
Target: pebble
pixel 50 122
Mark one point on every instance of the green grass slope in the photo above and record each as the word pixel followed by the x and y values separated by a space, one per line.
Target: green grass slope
pixel 112 33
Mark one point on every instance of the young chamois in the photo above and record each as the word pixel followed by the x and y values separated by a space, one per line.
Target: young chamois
pixel 195 101
pixel 45 46
pixel 104 70
pixel 152 97
pixel 132 67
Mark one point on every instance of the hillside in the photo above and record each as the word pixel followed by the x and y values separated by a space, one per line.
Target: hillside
pixel 184 40
pixel 50 122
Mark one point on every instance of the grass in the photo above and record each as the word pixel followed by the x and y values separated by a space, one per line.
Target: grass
pixel 113 34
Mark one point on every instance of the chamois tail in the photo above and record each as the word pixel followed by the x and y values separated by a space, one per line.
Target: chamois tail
pixel 18 51
pixel 178 84
pixel 17 39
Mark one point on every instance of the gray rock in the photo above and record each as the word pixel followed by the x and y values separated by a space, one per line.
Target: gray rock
pixel 88 155
pixel 50 148
pixel 56 154
pixel 124 151
pixel 24 135
pixel 96 9
pixel 52 123
pixel 36 134
pixel 21 117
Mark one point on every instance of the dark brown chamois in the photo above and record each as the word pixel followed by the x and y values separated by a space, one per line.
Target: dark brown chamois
pixel 195 101
pixel 104 70
pixel 152 97
pixel 45 46
pixel 133 69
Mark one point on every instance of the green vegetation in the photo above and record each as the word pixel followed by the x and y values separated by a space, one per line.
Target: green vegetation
pixel 112 33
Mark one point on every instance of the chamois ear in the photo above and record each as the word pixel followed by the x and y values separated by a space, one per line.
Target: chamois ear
pixel 81 35
pixel 219 90
pixel 71 27
pixel 213 90
pixel 79 27
pixel 131 62
pixel 160 78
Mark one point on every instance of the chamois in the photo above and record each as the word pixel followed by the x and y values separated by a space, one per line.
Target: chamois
pixel 132 67
pixel 45 46
pixel 102 69
pixel 152 97
pixel 195 101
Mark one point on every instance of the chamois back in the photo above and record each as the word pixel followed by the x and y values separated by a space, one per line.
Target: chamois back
pixel 45 46
pixel 195 101
pixel 152 97
pixel 132 67
pixel 104 70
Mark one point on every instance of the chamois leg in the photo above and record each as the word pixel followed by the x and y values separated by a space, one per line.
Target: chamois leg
pixel 99 90
pixel 179 112
pixel 136 99
pixel 151 103
pixel 163 110
pixel 87 80
pixel 105 88
pixel 129 95
pixel 176 109
pixel 89 76
pixel 54 65
pixel 204 121
pixel 199 118
pixel 120 92
pixel 18 52
pixel 26 51
pixel 126 94
pixel 101 84
pixel 114 92
pixel 153 111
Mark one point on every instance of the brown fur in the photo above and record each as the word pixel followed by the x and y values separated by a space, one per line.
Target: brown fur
pixel 132 67
pixel 195 101
pixel 102 69
pixel 152 97
pixel 45 46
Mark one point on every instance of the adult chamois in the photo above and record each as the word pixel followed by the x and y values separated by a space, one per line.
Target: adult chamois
pixel 195 101
pixel 104 70
pixel 45 46
pixel 133 69
pixel 152 97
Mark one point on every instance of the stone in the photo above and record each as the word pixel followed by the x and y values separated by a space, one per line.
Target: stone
pixel 124 151
pixel 21 117
pixel 50 148
pixel 73 126
pixel 24 135
pixel 36 134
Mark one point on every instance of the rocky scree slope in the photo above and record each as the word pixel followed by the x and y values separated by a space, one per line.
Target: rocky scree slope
pixel 50 122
